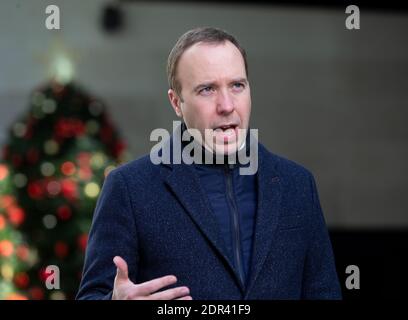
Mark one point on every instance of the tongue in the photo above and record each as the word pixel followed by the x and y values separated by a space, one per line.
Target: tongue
pixel 227 131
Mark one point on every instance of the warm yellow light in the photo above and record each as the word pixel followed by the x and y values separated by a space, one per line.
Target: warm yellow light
pixel 7 272
pixel 92 189
pixel 61 68
pixel 60 63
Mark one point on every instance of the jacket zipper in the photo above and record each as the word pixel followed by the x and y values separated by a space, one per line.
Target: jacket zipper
pixel 236 225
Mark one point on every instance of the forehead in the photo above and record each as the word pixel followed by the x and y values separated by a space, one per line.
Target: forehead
pixel 209 61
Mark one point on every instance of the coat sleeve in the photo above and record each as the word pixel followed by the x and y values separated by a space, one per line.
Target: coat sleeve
pixel 113 233
pixel 320 279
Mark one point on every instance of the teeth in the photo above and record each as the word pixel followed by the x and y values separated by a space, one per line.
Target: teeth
pixel 226 127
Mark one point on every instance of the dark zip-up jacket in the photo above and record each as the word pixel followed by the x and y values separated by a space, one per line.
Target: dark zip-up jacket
pixel 232 199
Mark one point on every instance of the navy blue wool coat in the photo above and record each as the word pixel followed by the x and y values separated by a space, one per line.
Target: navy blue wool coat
pixel 157 219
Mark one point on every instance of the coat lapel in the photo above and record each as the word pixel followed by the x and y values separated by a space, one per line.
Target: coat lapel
pixel 268 211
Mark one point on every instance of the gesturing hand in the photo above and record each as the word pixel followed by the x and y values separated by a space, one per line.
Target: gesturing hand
pixel 125 289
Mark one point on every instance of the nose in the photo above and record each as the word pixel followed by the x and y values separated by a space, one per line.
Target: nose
pixel 225 103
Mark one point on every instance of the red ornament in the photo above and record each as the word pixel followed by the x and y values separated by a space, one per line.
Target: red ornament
pixel 6 248
pixel 69 189
pixel 32 156
pixel 78 127
pixel 36 293
pixel 118 148
pixel 22 252
pixel 84 159
pixel 106 134
pixel 43 275
pixel 64 212
pixel 2 223
pixel 21 280
pixel 68 168
pixel 53 187
pixel 3 172
pixel 7 201
pixel 85 173
pixel 17 160
pixel 62 129
pixel 61 249
pixel 35 190
pixel 16 215
pixel 82 241
pixel 69 127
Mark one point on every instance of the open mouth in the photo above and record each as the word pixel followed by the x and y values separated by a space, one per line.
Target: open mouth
pixel 225 128
pixel 227 132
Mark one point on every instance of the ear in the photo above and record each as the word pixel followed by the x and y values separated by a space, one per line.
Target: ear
pixel 175 102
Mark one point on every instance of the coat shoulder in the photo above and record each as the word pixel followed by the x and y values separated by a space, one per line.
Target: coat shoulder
pixel 139 169
pixel 283 166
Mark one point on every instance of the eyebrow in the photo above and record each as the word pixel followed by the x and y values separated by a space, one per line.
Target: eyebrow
pixel 210 84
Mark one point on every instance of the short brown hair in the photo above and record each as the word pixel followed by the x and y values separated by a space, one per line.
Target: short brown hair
pixel 204 34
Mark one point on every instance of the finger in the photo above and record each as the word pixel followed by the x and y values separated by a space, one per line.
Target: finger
pixel 148 287
pixel 186 298
pixel 122 268
pixel 170 294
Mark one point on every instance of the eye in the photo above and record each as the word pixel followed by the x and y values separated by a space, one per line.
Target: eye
pixel 238 86
pixel 206 90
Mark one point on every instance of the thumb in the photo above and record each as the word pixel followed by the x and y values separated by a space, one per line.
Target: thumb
pixel 122 268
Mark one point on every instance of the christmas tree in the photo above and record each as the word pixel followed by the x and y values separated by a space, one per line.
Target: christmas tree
pixel 60 151
pixel 14 253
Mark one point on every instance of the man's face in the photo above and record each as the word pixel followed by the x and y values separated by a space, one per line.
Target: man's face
pixel 215 94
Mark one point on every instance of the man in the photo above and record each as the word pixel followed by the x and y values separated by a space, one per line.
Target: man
pixel 205 231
